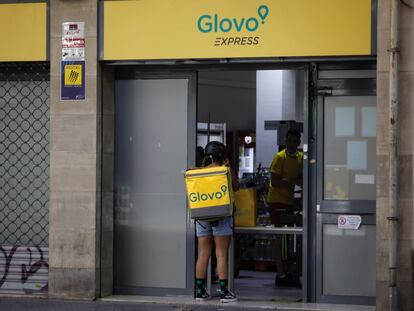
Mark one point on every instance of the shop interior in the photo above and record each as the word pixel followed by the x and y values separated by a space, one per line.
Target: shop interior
pixel 250 112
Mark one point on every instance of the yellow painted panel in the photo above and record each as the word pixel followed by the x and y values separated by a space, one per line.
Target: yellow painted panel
pixel 173 29
pixel 23 32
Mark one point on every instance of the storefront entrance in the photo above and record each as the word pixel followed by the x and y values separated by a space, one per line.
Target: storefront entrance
pixel 255 108
pixel 160 119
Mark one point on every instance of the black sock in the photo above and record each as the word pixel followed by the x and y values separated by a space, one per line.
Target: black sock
pixel 223 286
pixel 200 285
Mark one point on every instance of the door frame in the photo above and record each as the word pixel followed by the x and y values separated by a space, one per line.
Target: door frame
pixel 322 213
pixel 311 124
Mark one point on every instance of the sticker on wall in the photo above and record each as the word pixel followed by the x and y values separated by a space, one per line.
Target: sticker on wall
pixel 349 222
pixel 73 41
pixel 73 80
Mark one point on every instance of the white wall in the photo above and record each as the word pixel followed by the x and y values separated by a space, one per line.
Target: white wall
pixel 280 95
pixel 292 95
pixel 269 107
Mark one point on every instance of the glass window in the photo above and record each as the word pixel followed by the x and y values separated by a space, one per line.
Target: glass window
pixel 349 148
pixel 348 261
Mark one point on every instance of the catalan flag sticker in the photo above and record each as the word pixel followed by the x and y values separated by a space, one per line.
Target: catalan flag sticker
pixel 73 80
pixel 73 75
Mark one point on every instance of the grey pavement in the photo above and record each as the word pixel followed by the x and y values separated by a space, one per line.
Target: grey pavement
pixel 23 304
pixel 124 303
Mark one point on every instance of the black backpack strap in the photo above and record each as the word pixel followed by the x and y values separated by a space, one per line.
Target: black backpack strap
pixel 197 221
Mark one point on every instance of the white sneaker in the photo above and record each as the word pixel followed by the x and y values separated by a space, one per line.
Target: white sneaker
pixel 203 296
pixel 228 297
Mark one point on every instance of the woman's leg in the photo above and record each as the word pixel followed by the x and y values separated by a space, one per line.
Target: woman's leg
pixel 205 245
pixel 222 251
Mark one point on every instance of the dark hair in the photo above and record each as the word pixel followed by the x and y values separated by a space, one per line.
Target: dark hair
pixel 215 151
pixel 294 133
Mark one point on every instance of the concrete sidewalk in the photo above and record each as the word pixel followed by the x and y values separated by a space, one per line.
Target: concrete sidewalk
pixel 139 303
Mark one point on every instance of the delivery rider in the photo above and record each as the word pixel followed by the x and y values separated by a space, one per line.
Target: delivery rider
pixel 218 232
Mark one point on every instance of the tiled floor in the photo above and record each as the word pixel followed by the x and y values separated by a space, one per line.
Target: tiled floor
pixel 254 285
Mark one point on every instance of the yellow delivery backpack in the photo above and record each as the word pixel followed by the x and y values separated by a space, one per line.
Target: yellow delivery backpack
pixel 209 192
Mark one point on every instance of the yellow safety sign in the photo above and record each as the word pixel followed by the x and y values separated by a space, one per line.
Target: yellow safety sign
pixel 73 75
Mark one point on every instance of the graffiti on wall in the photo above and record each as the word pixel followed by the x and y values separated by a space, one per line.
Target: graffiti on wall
pixel 24 269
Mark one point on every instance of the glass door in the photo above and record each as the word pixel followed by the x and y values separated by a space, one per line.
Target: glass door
pixel 155 139
pixel 345 207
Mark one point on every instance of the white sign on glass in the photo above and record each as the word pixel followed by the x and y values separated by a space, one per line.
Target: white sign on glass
pixel 349 222
pixel 344 121
pixel 369 121
pixel 356 152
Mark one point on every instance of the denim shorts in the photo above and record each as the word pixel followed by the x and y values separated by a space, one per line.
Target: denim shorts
pixel 216 228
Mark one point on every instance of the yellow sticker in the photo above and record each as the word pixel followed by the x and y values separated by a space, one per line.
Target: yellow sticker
pixel 73 75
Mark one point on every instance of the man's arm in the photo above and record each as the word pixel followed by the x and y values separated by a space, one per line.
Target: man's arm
pixel 299 180
pixel 278 181
pixel 235 182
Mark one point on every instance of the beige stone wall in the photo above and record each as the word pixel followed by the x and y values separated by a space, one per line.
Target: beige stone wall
pixel 406 144
pixel 75 164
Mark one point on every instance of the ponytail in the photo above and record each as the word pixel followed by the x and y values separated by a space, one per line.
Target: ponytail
pixel 211 159
pixel 207 160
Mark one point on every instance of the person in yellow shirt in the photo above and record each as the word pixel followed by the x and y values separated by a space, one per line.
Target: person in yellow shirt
pixel 285 173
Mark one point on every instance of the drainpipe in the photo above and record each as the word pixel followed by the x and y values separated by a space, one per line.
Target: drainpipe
pixel 393 173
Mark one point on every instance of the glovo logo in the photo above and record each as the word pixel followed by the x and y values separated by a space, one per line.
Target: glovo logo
pixel 215 23
pixel 210 196
pixel 207 23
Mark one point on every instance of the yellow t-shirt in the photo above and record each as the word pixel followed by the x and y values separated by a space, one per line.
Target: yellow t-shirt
pixel 286 167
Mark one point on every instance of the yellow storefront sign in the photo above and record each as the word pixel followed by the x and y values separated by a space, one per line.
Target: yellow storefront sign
pixel 23 32
pixel 174 29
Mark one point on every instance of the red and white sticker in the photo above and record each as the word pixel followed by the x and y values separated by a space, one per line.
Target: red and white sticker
pixel 73 41
pixel 349 222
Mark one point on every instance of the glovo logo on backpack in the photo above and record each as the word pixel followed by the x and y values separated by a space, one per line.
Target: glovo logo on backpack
pixel 209 196
pixel 207 190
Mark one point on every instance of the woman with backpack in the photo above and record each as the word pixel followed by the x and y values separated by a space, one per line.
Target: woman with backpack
pixel 218 232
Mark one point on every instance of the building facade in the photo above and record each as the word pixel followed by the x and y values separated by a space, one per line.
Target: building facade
pixel 83 80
